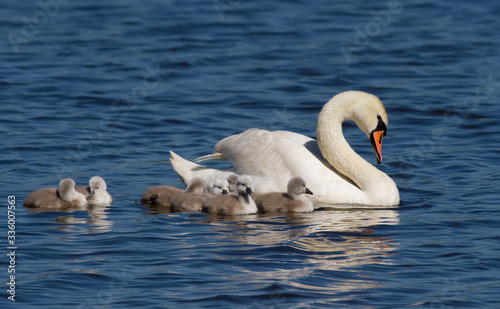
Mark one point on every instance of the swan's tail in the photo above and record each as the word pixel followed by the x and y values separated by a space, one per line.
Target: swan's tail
pixel 183 168
pixel 187 170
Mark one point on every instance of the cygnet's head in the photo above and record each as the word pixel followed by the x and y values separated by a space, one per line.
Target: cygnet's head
pixel 96 184
pixel 232 179
pixel 67 189
pixel 220 186
pixel 244 185
pixel 196 185
pixel 297 186
pixel 68 193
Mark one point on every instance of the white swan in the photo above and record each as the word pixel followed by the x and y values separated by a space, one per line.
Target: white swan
pixel 331 168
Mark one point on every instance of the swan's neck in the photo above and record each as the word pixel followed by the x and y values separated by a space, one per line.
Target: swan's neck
pixel 247 203
pixel 244 198
pixel 339 153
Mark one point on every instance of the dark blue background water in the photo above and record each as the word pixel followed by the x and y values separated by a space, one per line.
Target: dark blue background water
pixel 109 87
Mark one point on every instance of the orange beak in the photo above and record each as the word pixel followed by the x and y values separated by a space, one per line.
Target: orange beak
pixel 376 140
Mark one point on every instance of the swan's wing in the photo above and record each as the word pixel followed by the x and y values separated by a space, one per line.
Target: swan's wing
pixel 272 158
pixel 258 152
pixel 296 137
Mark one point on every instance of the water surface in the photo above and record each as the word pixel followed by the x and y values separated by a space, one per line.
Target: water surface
pixel 109 88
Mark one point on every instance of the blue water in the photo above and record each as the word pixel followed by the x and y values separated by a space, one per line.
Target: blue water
pixel 109 87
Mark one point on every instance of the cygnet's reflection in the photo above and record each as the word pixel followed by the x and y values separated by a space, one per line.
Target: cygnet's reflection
pixel 96 222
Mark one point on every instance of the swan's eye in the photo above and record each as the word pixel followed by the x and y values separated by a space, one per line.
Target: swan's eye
pixel 378 117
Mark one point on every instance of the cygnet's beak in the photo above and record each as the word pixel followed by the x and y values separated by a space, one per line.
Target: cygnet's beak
pixel 225 191
pixel 308 191
pixel 249 191
pixel 90 195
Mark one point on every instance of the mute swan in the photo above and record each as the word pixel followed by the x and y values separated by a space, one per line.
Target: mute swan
pixel 293 200
pixel 331 168
pixel 57 198
pixel 95 192
pixel 243 204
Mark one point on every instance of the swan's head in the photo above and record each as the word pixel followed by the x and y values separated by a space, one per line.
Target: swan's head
pixel 96 183
pixel 66 189
pixel 297 186
pixel 368 112
pixel 220 186
pixel 68 193
pixel 244 185
pixel 232 179
pixel 196 185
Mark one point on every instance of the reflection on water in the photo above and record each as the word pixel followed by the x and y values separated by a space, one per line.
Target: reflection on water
pixel 305 252
pixel 276 228
pixel 96 222
pixel 324 244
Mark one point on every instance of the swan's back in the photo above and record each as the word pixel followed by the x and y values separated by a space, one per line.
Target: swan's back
pixel 192 199
pixel 160 195
pixel 43 198
pixel 281 202
pixel 222 205
pixel 186 202
pixel 65 196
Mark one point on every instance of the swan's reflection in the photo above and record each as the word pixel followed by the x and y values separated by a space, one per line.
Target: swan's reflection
pixel 321 252
pixel 264 229
pixel 96 222
pixel 345 233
